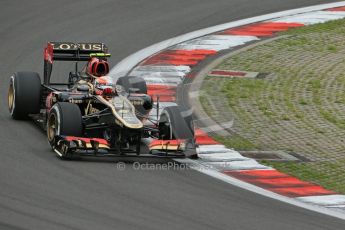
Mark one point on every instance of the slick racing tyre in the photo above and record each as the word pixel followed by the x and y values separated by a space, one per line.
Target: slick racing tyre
pixel 64 119
pixel 172 125
pixel 24 94
pixel 128 82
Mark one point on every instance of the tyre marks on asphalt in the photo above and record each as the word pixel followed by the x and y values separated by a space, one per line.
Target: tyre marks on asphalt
pixel 165 70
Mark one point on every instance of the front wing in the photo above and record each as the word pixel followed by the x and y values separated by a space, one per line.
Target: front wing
pixel 81 146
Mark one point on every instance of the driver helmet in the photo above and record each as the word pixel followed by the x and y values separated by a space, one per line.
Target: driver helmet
pixel 98 67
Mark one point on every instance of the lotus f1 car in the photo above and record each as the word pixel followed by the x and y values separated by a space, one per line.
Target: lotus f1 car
pixel 89 115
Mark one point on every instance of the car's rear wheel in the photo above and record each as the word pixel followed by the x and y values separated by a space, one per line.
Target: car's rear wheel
pixel 24 94
pixel 64 119
pixel 133 82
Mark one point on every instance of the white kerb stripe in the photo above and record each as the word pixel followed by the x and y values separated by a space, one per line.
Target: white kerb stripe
pixel 249 164
pixel 325 200
pixel 227 156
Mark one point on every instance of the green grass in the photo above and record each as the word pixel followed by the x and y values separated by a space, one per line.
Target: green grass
pixel 303 97
pixel 332 48
pixel 332 119
pixel 303 102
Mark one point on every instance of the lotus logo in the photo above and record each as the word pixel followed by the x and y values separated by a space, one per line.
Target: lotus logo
pixel 80 46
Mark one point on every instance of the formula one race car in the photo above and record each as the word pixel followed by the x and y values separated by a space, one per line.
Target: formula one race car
pixel 90 115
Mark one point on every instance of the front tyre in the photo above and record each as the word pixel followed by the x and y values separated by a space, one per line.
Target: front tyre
pixel 64 119
pixel 172 125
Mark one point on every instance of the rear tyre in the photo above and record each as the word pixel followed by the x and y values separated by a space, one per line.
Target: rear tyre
pixel 24 94
pixel 64 119
pixel 128 82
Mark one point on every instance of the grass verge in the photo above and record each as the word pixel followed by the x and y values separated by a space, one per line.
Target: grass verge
pixel 298 107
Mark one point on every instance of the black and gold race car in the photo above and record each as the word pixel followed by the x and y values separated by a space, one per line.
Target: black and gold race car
pixel 90 115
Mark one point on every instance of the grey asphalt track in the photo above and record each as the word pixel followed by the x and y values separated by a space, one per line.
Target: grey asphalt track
pixel 38 191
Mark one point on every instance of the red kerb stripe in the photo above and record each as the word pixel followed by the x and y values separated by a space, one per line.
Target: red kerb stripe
pixel 202 138
pixel 250 174
pixel 228 73
pixel 280 182
pixel 246 33
pixel 192 52
pixel 261 29
pixel 302 191
pixel 342 8
pixel 205 140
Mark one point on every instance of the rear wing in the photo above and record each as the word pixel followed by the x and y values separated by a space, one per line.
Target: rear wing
pixel 69 51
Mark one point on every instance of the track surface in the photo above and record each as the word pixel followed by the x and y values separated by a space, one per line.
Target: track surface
pixel 39 191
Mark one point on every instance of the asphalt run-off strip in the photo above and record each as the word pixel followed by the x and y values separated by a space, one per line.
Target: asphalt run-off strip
pixel 167 64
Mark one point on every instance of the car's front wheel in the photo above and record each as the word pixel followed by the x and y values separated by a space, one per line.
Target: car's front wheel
pixel 64 119
pixel 172 125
